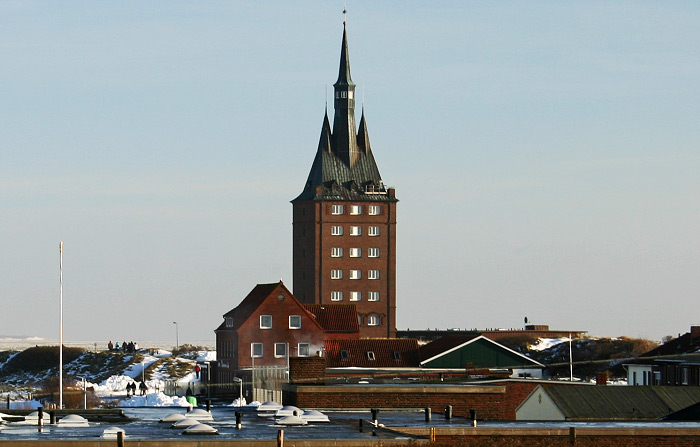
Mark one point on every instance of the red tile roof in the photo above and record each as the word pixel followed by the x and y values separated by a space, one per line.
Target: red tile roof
pixel 335 317
pixel 386 352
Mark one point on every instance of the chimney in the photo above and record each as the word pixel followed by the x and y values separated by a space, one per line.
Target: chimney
pixel 694 333
pixel 601 378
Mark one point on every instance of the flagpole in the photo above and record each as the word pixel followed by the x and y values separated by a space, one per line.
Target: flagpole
pixel 60 331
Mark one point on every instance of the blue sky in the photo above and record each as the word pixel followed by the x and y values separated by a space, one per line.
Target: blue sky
pixel 545 155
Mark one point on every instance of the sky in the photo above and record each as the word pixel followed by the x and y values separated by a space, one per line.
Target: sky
pixel 545 155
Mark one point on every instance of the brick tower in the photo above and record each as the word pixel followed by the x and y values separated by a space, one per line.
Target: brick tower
pixel 344 221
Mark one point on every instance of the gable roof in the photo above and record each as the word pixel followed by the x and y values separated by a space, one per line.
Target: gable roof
pixel 589 402
pixel 683 344
pixel 241 313
pixel 501 356
pixel 335 317
pixel 386 352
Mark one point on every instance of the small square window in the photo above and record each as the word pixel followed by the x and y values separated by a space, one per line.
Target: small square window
pixel 337 295
pixel 256 350
pixel 355 210
pixel 265 321
pixel 280 350
pixel 373 252
pixel 355 231
pixel 229 321
pixel 295 322
pixel 336 252
pixel 355 274
pixel 373 231
pixel 303 349
pixel 374 210
pixel 373 320
pixel 337 230
pixel 373 296
pixel 370 355
pixel 373 274
pixel 355 252
pixel 355 296
pixel 336 274
pixel 337 209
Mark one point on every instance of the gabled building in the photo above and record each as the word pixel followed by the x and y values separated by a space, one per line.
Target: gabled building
pixel 477 352
pixel 592 402
pixel 344 220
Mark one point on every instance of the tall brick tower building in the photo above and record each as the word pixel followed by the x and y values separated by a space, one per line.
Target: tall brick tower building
pixel 344 221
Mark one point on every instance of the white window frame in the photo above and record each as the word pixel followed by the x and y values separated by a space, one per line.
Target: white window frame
pixel 374 210
pixel 355 210
pixel 373 231
pixel 355 296
pixel 372 274
pixel 252 350
pixel 355 274
pixel 373 252
pixel 229 321
pixel 336 274
pixel 265 326
pixel 294 326
pixel 337 210
pixel 280 345
pixel 355 230
pixel 355 252
pixel 303 349
pixel 373 320
pixel 372 296
pixel 337 295
pixel 337 230
pixel 336 252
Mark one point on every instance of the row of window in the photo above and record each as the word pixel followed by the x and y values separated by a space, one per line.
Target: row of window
pixel 257 350
pixel 266 322
pixel 355 252
pixel 337 295
pixel 354 274
pixel 355 230
pixel 356 210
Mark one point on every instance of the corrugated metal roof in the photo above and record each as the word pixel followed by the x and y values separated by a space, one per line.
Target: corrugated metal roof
pixel 335 317
pixel 620 402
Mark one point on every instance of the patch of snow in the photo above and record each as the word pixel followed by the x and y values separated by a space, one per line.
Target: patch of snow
pixel 206 356
pixel 155 400
pixel 546 343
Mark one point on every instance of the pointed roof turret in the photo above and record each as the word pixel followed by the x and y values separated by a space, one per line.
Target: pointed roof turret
pixel 344 167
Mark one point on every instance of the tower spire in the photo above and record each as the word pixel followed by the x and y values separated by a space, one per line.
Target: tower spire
pixel 344 128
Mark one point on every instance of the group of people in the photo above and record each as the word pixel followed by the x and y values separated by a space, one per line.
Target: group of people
pixel 130 347
pixel 131 389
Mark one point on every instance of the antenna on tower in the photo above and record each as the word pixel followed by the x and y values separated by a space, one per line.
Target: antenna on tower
pixel 345 13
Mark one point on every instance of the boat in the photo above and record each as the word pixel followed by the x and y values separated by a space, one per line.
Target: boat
pixel 200 429
pixel 111 432
pixel 184 423
pixel 173 417
pixel 291 420
pixel 268 409
pixel 200 415
pixel 72 420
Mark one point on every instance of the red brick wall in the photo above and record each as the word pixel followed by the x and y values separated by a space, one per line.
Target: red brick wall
pixel 307 369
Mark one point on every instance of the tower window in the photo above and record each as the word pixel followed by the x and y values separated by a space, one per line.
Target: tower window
pixel 355 296
pixel 355 252
pixel 355 231
pixel 373 252
pixel 373 320
pixel 337 295
pixel 373 296
pixel 372 274
pixel 337 252
pixel 373 231
pixel 229 321
pixel 356 210
pixel 375 210
pixel 337 230
pixel 337 209
pixel 356 274
pixel 336 274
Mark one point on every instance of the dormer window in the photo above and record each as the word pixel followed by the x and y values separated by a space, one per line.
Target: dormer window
pixel 229 321
pixel 344 355
pixel 370 355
